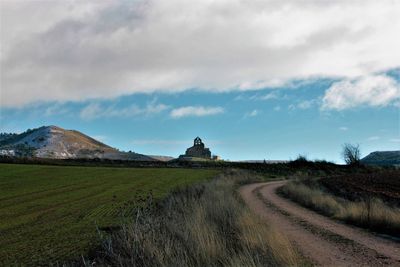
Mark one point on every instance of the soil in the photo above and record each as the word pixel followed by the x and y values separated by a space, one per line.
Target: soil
pixel 324 242
pixel 384 185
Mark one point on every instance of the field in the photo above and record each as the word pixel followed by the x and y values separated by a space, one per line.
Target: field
pixel 384 185
pixel 51 213
pixel 369 200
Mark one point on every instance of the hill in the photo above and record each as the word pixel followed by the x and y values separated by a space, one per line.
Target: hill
pixel 383 158
pixel 161 158
pixel 55 142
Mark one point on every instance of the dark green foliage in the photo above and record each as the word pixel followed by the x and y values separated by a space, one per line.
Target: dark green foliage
pixel 311 168
pixel 12 138
pixel 301 158
pixel 5 136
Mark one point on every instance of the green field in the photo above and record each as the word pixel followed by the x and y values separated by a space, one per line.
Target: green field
pixel 50 213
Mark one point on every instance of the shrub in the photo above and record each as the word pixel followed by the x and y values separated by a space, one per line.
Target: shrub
pixel 351 154
pixel 203 225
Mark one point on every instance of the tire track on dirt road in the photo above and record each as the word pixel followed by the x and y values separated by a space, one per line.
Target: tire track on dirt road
pixel 323 241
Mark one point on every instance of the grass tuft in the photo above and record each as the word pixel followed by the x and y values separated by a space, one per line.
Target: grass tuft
pixel 371 213
pixel 202 225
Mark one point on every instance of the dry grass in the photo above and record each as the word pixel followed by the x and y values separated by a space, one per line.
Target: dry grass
pixel 202 225
pixel 371 213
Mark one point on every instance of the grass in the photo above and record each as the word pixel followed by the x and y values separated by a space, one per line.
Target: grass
pixel 50 213
pixel 202 225
pixel 371 212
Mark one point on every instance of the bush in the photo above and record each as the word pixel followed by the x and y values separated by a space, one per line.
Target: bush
pixel 301 158
pixel 351 154
pixel 203 225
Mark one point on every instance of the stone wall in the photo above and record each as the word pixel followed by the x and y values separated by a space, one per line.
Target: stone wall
pixel 198 150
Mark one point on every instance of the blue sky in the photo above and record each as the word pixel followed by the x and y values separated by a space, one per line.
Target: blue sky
pixel 274 123
pixel 255 79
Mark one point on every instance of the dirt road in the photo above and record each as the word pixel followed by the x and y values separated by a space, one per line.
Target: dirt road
pixel 323 241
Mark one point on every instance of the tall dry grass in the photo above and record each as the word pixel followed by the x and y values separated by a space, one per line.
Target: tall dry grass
pixel 371 213
pixel 202 225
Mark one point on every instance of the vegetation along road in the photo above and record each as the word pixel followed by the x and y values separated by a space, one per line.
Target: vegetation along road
pixel 51 214
pixel 322 240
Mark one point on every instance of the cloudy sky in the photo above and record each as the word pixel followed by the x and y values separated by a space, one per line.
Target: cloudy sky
pixel 256 79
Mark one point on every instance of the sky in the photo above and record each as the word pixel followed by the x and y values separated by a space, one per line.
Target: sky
pixel 254 79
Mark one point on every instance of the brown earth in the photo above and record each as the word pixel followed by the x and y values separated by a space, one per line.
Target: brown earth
pixel 322 241
pixel 384 185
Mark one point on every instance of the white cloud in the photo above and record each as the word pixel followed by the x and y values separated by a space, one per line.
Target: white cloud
pixel 91 111
pixel 56 109
pixel 259 97
pixel 306 104
pixel 77 50
pixel 395 140
pixel 277 108
pixel 239 97
pixel 269 96
pixel 252 113
pixel 343 128
pixel 195 111
pixel 373 138
pixel 263 84
pixel 374 90
pixel 95 110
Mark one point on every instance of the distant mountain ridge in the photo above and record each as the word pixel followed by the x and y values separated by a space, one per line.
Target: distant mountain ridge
pixel 383 158
pixel 58 143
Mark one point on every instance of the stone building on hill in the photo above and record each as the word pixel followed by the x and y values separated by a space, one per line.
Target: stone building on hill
pixel 198 150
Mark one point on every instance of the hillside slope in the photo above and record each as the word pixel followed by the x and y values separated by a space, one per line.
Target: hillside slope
pixel 58 143
pixel 383 158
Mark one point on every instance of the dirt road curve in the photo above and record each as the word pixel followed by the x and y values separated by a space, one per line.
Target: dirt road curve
pixel 323 241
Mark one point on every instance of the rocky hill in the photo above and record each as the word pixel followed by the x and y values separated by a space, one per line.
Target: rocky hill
pixel 58 143
pixel 383 158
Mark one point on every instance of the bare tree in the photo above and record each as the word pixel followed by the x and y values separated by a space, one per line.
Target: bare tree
pixel 351 154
